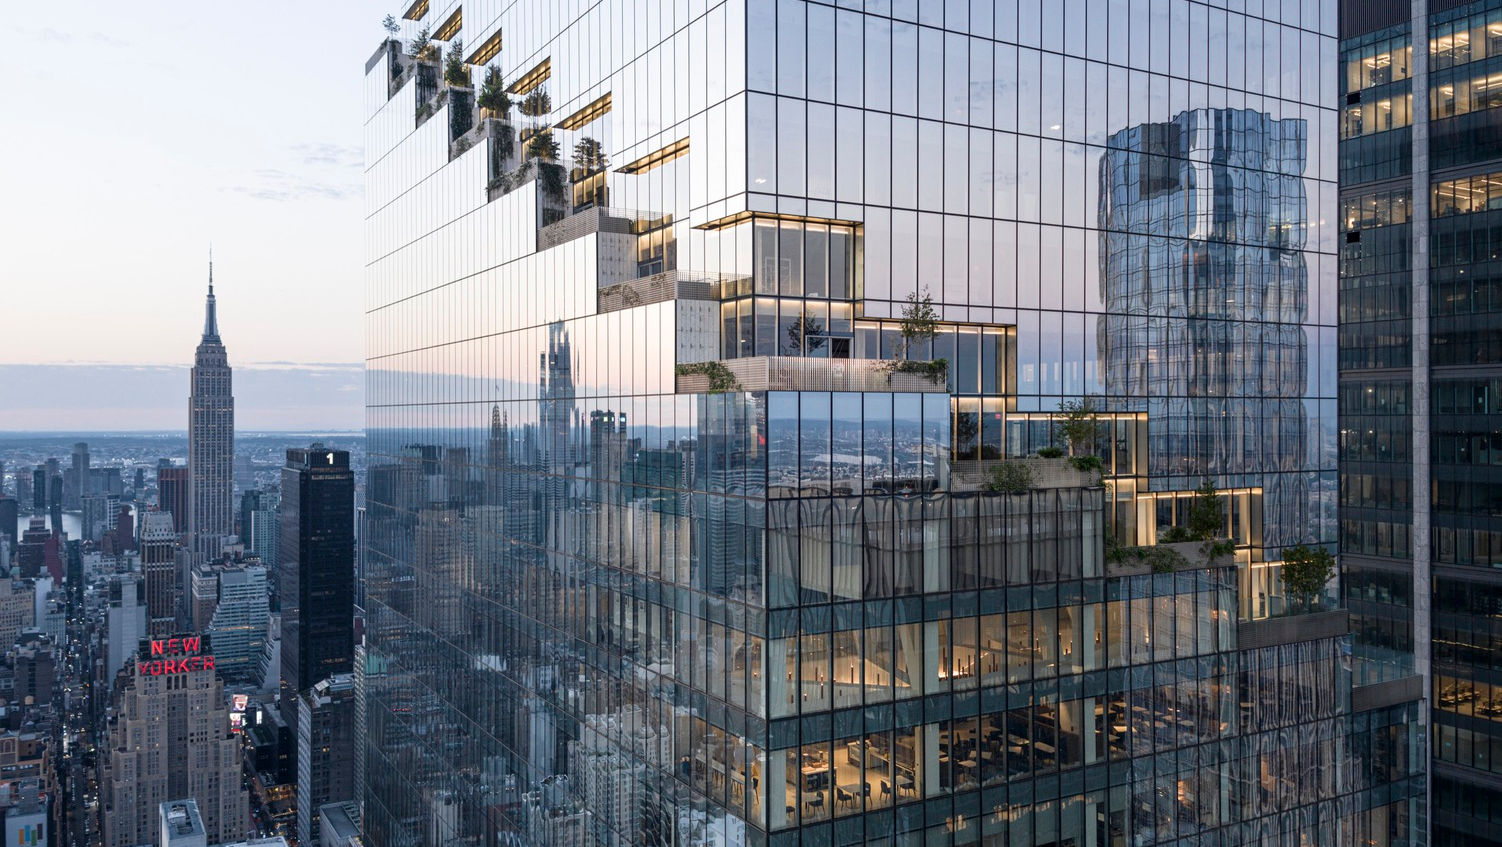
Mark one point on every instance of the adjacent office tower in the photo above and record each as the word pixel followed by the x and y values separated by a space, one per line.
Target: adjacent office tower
pixel 211 440
pixel 171 738
pixel 316 580
pixel 1420 385
pixel 159 565
pixel 743 566
pixel 172 494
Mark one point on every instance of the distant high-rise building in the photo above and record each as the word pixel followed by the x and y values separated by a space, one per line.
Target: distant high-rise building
pixel 238 623
pixel 325 751
pixel 17 609
pixel 39 490
pixel 24 497
pixel 204 595
pixel 158 549
pixel 31 551
pixel 55 501
pixel 211 439
pixel 76 483
pixel 172 494
pixel 34 661
pixel 250 500
pixel 125 529
pixel 10 520
pixel 264 537
pixel 99 514
pixel 126 619
pixel 317 571
pixel 171 738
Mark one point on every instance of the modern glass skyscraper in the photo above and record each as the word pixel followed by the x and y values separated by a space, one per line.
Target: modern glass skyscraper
pixel 683 528
pixel 211 439
pixel 1421 529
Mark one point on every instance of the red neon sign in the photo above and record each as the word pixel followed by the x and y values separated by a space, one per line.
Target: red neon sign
pixel 186 648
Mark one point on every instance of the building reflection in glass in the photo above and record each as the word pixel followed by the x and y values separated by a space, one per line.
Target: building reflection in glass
pixel 1204 281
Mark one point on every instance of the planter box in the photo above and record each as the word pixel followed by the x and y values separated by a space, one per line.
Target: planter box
pixel 1292 629
pixel 1047 473
pixel 781 373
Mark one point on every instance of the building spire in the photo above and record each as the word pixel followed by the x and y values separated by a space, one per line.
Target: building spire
pixel 210 319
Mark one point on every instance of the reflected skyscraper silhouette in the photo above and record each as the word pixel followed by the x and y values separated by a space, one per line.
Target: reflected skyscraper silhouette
pixel 1203 231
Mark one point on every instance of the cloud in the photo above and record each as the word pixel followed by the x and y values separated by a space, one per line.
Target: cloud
pixel 280 186
pixel 87 397
pixel 50 35
pixel 108 40
pixel 304 366
pixel 325 153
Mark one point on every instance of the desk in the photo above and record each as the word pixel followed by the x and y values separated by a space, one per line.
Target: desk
pixel 815 777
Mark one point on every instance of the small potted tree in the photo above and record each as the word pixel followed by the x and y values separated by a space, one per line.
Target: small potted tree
pixel 494 102
pixel 455 72
pixel 422 48
pixel 588 174
pixel 1306 570
pixel 536 104
pixel 460 96
pixel 920 324
pixel 395 68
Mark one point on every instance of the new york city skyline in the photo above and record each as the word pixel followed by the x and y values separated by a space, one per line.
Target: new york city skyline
pixel 754 423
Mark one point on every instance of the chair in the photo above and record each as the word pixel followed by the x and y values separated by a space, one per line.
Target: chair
pixel 886 792
pixel 843 796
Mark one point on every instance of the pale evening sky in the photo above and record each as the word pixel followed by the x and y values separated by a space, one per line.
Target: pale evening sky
pixel 133 141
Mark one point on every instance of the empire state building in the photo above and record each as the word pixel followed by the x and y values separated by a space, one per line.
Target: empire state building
pixel 211 439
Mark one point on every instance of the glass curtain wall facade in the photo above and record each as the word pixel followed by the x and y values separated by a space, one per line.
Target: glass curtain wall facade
pixel 674 537
pixel 1421 532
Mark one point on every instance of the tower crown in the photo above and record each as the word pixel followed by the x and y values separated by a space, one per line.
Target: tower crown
pixel 210 318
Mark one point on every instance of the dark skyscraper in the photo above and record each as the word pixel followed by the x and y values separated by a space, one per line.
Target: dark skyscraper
pixel 39 490
pixel 211 439
pixel 158 547
pixel 31 548
pixel 745 568
pixel 316 571
pixel 1420 370
pixel 172 494
pixel 250 503
pixel 76 485
pixel 55 502
pixel 10 519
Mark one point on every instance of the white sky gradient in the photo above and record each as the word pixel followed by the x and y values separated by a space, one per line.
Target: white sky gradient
pixel 136 135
